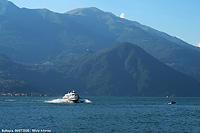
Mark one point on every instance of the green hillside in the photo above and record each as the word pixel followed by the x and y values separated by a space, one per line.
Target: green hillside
pixel 126 70
pixel 38 79
pixel 10 81
pixel 122 69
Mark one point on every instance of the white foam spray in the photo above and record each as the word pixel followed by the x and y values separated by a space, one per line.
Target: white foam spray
pixel 9 100
pixel 67 101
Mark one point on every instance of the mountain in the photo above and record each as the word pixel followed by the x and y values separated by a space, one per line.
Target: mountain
pixel 125 69
pixel 25 35
pixel 10 81
pixel 7 7
pixel 17 78
pixel 170 50
pixel 122 69
pixel 39 35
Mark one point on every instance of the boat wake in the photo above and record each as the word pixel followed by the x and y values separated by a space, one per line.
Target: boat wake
pixel 68 101
pixel 10 100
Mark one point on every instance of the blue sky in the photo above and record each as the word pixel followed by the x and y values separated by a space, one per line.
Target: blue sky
pixel 180 18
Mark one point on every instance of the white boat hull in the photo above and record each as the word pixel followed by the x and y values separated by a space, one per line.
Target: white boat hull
pixel 72 96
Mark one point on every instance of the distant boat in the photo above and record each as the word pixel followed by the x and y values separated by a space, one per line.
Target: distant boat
pixel 72 96
pixel 172 102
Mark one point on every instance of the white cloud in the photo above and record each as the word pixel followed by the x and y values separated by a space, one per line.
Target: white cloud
pixel 198 45
pixel 122 15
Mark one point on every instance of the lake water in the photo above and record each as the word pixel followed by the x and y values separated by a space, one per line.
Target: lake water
pixel 103 114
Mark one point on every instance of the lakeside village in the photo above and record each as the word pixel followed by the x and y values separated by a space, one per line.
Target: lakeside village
pixel 24 95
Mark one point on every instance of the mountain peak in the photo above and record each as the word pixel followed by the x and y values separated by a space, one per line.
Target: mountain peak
pixel 6 5
pixel 3 1
pixel 3 5
pixel 85 11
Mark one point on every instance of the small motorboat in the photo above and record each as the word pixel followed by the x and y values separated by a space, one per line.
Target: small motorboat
pixel 72 96
pixel 172 102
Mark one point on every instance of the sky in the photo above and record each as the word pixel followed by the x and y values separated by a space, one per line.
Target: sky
pixel 179 18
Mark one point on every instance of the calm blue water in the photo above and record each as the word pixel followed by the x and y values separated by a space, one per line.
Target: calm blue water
pixel 104 114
